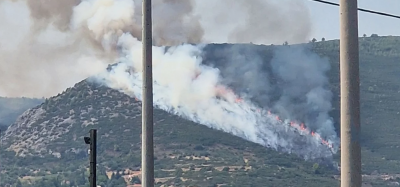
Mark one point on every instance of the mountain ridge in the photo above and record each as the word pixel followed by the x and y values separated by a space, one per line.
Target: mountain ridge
pixel 202 149
pixel 60 105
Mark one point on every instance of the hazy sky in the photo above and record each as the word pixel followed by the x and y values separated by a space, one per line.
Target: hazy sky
pixel 326 18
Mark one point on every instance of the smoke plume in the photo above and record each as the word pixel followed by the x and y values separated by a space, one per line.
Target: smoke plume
pixel 70 40
pixel 47 46
pixel 40 62
pixel 293 83
pixel 305 95
pixel 184 86
pixel 57 13
pixel 256 21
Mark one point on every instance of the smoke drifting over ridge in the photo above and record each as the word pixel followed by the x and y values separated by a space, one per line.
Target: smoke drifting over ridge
pixel 43 40
pixel 305 93
pixel 293 83
pixel 184 86
pixel 102 32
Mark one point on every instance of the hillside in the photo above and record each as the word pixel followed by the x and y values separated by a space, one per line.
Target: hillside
pixel 186 153
pixel 50 135
pixel 11 108
pixel 380 99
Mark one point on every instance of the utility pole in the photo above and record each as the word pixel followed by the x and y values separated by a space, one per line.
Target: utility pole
pixel 147 101
pixel 350 95
pixel 92 141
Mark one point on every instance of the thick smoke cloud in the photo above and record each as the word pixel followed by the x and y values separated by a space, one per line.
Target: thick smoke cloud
pixel 288 80
pixel 278 18
pixel 37 63
pixel 256 21
pixel 184 86
pixel 43 39
pixel 175 22
pixel 305 95
pixel 53 53
pixel 57 13
pixel 243 69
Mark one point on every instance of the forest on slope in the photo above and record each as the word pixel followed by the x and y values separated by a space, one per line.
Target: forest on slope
pixel 11 108
pixel 187 152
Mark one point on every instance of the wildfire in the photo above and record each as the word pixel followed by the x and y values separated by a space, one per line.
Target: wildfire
pixel 301 127
pixel 228 94
pixel 223 91
pixel 238 100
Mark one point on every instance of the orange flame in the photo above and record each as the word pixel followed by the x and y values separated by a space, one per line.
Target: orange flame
pixel 301 127
pixel 238 100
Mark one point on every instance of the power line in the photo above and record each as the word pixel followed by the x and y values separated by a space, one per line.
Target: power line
pixel 360 9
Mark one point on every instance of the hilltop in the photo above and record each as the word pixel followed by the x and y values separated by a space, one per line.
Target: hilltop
pixel 49 136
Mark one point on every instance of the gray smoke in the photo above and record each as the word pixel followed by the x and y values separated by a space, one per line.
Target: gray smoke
pixel 286 18
pixel 57 13
pixel 244 69
pixel 187 85
pixel 40 59
pixel 52 53
pixel 175 23
pixel 256 21
pixel 304 85
pixel 291 81
pixel 46 49
pixel 194 21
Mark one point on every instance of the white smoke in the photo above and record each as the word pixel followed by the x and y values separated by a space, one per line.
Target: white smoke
pixel 185 87
pixel 182 84
pixel 37 64
pixel 46 39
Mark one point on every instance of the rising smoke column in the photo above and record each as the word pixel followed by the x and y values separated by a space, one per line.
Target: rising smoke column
pixel 183 85
pixel 290 80
pixel 41 39
pixel 38 59
pixel 256 21
pixel 186 87
pixel 304 85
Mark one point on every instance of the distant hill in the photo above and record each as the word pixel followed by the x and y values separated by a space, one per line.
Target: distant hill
pixel 11 108
pixel 50 136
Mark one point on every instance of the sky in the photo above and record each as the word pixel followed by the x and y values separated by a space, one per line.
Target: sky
pixel 326 18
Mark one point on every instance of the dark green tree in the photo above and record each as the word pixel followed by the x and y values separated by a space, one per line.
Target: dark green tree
pixel 314 40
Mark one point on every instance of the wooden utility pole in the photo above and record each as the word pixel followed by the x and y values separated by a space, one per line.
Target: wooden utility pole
pixel 350 95
pixel 147 101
